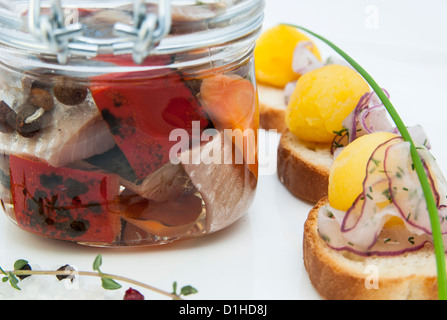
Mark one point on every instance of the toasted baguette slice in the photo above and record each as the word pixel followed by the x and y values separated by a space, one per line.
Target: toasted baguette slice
pixel 272 108
pixel 304 167
pixel 339 275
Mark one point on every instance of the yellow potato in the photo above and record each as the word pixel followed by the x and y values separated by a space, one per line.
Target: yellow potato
pixel 322 99
pixel 274 55
pixel 349 169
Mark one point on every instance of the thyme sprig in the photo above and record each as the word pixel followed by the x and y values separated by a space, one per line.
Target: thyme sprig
pixel 108 281
pixel 428 193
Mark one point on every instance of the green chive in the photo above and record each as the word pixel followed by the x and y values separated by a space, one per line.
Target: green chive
pixel 340 133
pixel 376 162
pixel 431 204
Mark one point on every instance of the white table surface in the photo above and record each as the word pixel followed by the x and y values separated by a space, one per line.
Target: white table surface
pixel 403 46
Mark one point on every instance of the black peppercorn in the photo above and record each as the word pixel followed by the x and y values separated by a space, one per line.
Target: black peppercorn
pixel 5 110
pixel 25 267
pixel 70 93
pixel 27 121
pixel 67 267
pixel 41 98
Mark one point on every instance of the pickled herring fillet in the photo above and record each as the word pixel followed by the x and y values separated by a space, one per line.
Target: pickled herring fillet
pixel 226 188
pixel 390 216
pixel 74 133
pixel 167 183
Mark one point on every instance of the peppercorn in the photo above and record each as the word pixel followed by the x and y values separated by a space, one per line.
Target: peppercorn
pixel 69 92
pixel 41 98
pixel 27 122
pixel 5 110
pixel 25 267
pixel 67 267
pixel 30 83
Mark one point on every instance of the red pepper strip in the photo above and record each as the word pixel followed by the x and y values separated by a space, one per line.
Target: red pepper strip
pixel 64 203
pixel 141 114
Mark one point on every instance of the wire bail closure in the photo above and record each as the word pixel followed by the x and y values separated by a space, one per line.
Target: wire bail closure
pixel 146 33
pixel 51 29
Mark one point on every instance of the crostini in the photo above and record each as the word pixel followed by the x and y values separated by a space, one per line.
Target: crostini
pixel 282 55
pixel 371 237
pixel 322 99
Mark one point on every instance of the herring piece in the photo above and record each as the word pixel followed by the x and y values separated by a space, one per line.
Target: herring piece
pixel 390 216
pixel 74 133
pixel 226 188
pixel 167 183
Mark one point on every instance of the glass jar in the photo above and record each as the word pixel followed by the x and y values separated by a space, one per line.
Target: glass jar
pixel 128 123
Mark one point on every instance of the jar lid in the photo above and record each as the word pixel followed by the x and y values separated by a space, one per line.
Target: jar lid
pixel 90 28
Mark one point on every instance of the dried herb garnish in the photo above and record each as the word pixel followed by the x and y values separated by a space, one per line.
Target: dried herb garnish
pixel 108 281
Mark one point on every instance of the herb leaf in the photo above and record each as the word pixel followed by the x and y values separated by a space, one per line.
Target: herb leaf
pixel 19 264
pixel 107 280
pixel 174 287
pixel 97 263
pixel 187 290
pixel 110 284
pixel 13 281
pixel 107 283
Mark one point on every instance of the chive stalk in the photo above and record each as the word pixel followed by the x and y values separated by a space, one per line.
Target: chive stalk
pixel 431 204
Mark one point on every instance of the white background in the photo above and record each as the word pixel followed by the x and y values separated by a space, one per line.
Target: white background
pixel 402 44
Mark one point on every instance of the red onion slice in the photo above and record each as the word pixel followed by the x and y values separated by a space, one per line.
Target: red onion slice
pixel 288 91
pixel 369 116
pixel 375 119
pixel 419 136
pixel 303 59
pixel 406 191
pixel 365 219
pixel 351 122
pixel 389 242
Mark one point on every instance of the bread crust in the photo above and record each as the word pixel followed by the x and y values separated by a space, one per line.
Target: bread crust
pixel 338 275
pixel 272 108
pixel 272 118
pixel 298 172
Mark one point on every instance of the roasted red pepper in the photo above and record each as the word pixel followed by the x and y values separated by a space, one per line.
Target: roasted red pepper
pixel 141 114
pixel 64 203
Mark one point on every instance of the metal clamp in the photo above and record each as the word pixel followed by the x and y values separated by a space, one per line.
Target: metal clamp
pixel 51 29
pixel 145 34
